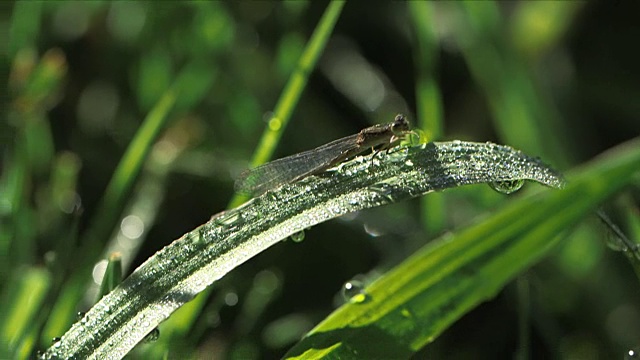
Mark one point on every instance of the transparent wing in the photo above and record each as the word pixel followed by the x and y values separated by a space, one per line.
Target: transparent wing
pixel 291 168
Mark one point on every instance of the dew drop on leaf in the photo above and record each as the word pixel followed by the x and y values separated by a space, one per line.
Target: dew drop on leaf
pixel 507 186
pixel 406 313
pixel 153 336
pixel 614 242
pixel 353 292
pixel 79 315
pixel 298 237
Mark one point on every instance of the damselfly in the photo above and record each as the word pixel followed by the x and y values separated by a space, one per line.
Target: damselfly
pixel 295 167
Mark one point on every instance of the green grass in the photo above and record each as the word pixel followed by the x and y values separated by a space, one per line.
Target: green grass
pixel 146 112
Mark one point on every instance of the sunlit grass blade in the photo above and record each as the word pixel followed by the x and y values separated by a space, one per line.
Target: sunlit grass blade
pixel 416 301
pixel 107 214
pixel 186 267
pixel 187 315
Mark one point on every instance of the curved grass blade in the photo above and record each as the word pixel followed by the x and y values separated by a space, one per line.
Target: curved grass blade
pixel 416 301
pixel 107 213
pixel 282 113
pixel 176 274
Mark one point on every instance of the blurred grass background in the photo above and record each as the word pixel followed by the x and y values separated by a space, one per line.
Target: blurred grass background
pixel 126 123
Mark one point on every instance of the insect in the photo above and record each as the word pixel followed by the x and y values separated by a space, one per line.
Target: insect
pixel 298 166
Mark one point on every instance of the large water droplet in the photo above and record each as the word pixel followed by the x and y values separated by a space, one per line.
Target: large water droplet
pixel 153 336
pixel 55 340
pixel 353 292
pixel 507 186
pixel 79 315
pixel 298 237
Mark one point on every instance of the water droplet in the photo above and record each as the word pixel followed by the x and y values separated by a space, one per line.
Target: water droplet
pixel 636 251
pixel 55 340
pixel 229 218
pixel 384 190
pixel 153 336
pixel 632 354
pixel 430 339
pixel 507 186
pixel 195 237
pixel 298 237
pixel 614 242
pixel 406 313
pixel 353 292
pixel 275 124
pixel 79 315
pixel 373 229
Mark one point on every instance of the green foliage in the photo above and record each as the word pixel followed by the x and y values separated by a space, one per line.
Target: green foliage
pixel 125 123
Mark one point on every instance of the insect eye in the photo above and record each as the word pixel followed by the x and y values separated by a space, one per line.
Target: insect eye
pixel 400 123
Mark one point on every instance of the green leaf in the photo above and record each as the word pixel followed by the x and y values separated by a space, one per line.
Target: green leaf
pixel 193 82
pixel 293 90
pixel 416 301
pixel 154 77
pixel 21 303
pixel 185 268
pixel 112 275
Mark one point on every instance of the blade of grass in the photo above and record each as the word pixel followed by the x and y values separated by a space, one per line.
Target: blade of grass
pixel 34 82
pixel 112 276
pixel 107 214
pixel 416 301
pixel 174 275
pixel 21 303
pixel 187 316
pixel 25 26
pixel 293 89
pixel 522 115
pixel 128 169
pixel 537 26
